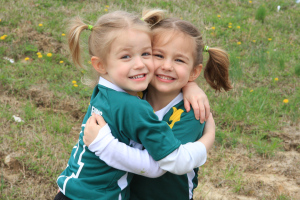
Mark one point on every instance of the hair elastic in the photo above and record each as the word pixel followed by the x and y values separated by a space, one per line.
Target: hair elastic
pixel 90 27
pixel 205 48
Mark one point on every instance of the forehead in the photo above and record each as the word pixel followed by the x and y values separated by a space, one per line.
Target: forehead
pixel 178 40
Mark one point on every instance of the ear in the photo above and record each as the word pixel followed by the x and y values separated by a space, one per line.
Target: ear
pixel 98 65
pixel 195 72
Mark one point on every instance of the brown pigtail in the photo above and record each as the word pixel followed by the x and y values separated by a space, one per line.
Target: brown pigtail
pixel 216 71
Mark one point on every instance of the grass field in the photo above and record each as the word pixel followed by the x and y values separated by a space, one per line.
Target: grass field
pixel 257 149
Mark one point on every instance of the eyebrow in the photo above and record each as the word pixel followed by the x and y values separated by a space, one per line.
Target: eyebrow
pixel 128 48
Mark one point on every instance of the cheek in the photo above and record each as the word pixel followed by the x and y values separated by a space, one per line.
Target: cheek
pixel 157 63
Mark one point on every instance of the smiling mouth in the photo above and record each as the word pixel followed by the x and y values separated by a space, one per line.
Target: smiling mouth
pixel 165 77
pixel 137 76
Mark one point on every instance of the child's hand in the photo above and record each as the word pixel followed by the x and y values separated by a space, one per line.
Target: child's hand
pixel 92 127
pixel 193 95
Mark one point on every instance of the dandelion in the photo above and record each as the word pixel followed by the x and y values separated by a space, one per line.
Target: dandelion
pixel 74 82
pixel 219 16
pixel 40 56
pixel 229 26
pixel 276 79
pixel 38 53
pixel 251 90
pixel 2 37
pixel 49 54
pixel 0 20
pixel 40 24
pixel 250 1
pixel 107 6
pixel 5 35
pixel 285 101
pixel 181 18
pixel 61 62
pixel 238 27
pixel 213 28
pixel 89 62
pixel 63 34
pixel 26 59
pixel 75 85
pixel 105 10
pixel 270 39
pixel 253 41
pixel 239 43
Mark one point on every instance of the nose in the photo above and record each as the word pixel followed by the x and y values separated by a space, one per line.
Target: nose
pixel 167 65
pixel 139 64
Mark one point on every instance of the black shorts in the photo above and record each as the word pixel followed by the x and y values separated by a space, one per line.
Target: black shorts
pixel 61 196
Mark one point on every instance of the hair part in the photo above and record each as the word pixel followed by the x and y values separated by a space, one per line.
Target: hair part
pixel 107 28
pixel 216 71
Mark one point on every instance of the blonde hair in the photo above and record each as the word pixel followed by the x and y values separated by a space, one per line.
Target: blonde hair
pixel 107 28
pixel 216 71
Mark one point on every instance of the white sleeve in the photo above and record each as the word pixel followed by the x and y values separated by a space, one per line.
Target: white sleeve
pixel 185 158
pixel 123 157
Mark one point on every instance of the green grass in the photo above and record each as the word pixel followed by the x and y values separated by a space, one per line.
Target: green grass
pixel 246 117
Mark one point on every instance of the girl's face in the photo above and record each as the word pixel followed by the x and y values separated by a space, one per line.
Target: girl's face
pixel 129 63
pixel 173 62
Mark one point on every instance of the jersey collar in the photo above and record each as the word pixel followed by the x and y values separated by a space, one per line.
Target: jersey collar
pixel 106 83
pixel 162 112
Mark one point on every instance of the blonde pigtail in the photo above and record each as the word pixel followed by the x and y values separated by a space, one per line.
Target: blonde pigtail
pixel 154 16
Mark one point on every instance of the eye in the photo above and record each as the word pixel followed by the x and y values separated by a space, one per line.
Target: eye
pixel 146 54
pixel 179 60
pixel 125 57
pixel 158 55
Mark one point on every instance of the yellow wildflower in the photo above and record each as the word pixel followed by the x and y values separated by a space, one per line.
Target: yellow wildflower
pixel 105 10
pixel 229 26
pixel 239 43
pixel 107 6
pixel 285 101
pixel 250 1
pixel 276 79
pixel 74 82
pixel 253 41
pixel 49 54
pixel 38 53
pixel 181 18
pixel 0 20
pixel 2 37
pixel 238 27
pixel 270 39
pixel 63 34
pixel 75 85
pixel 89 62
pixel 213 28
pixel 219 16
pixel 40 24
pixel 40 56
pixel 251 90
pixel 268 52
pixel 5 35
pixel 26 59
pixel 61 61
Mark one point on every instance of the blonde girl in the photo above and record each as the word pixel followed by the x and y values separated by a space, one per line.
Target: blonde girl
pixel 121 54
pixel 178 56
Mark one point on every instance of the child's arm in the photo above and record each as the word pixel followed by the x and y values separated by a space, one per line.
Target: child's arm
pixel 195 96
pixel 121 156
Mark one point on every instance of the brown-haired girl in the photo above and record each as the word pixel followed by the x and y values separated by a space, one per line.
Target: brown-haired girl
pixel 178 56
pixel 120 50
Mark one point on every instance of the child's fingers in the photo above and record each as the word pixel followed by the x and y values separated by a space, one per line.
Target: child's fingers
pixel 100 120
pixel 187 105
pixel 201 111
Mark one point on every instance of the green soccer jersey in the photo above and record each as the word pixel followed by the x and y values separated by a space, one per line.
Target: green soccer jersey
pixel 129 118
pixel 170 186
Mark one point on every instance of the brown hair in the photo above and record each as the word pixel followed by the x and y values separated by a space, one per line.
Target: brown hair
pixel 107 28
pixel 216 71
